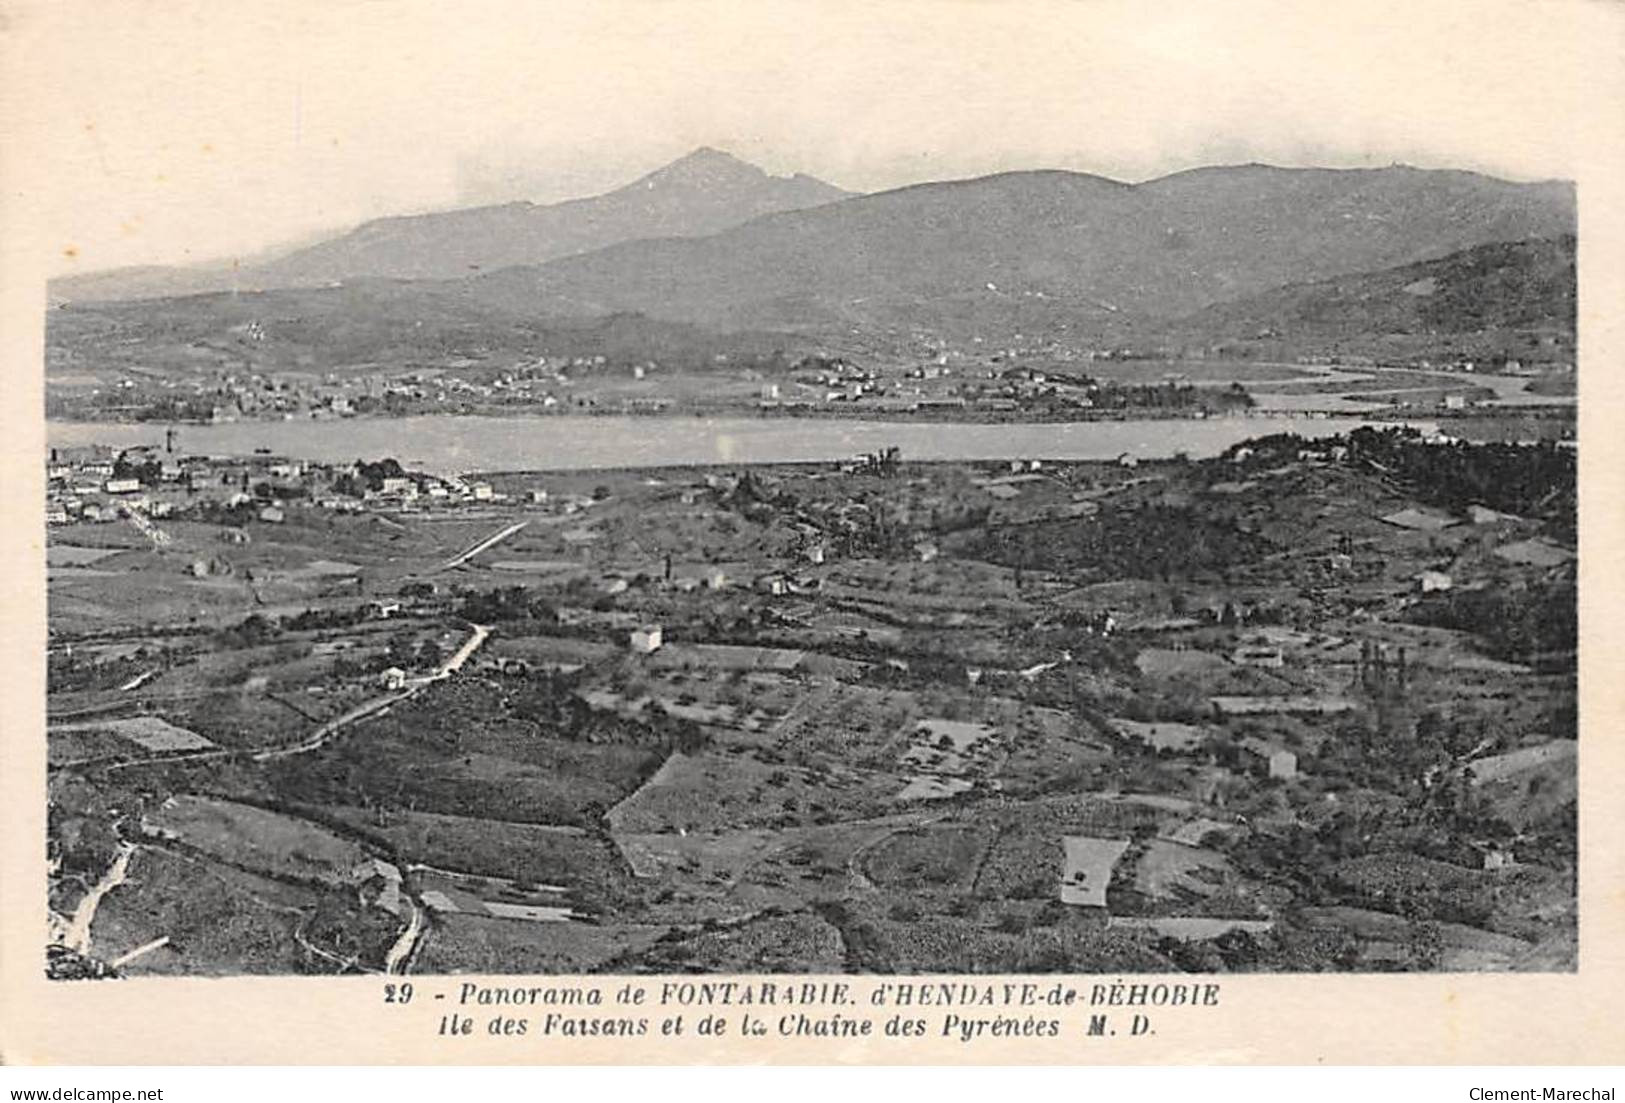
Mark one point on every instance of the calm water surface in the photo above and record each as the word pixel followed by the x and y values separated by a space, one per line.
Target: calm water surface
pixel 455 444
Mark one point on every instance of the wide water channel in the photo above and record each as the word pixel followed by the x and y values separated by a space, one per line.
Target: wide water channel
pixel 446 444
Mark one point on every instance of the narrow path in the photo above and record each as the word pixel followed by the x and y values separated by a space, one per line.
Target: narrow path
pixel 400 954
pixel 124 959
pixel 77 936
pixel 343 965
pixel 612 817
pixel 481 632
pixel 490 541
pixel 160 539
pixel 138 680
pixel 319 737
pixel 856 867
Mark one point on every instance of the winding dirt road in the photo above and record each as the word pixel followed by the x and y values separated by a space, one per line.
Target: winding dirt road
pixel 319 737
pixel 400 954
pixel 77 935
pixel 490 541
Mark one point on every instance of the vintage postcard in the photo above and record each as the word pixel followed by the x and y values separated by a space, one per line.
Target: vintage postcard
pixel 811 532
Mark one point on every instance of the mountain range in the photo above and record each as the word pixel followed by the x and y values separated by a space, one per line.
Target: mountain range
pixel 710 244
pixel 701 193
pixel 1041 253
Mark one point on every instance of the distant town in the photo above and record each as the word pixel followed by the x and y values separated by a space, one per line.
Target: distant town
pixel 1017 383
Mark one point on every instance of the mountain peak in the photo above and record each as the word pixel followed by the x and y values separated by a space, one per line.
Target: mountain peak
pixel 709 153
pixel 705 167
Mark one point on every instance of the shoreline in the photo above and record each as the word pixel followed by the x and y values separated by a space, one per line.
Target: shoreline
pixel 947 416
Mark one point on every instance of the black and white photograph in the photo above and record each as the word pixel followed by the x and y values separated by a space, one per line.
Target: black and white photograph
pixel 958 489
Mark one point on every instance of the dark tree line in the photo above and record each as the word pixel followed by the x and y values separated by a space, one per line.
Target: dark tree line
pixel 1531 480
pixel 1154 542
pixel 1514 624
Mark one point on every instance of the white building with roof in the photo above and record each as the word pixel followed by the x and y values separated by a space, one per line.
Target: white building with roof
pixel 1428 582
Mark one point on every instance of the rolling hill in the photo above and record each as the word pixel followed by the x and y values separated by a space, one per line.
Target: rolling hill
pixel 1054 253
pixel 702 193
pixel 1515 298
pixel 362 327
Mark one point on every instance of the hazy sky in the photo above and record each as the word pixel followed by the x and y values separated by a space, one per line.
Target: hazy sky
pixel 169 131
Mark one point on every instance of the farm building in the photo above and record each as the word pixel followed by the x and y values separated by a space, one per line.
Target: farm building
pixel 203 568
pixel 1272 759
pixel 1428 582
pixel 373 867
pixel 382 882
pixel 646 640
pixel 392 678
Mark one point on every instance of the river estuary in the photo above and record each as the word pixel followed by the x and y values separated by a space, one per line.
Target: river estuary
pixel 445 445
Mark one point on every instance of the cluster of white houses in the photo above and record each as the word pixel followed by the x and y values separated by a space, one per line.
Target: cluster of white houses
pixel 95 483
